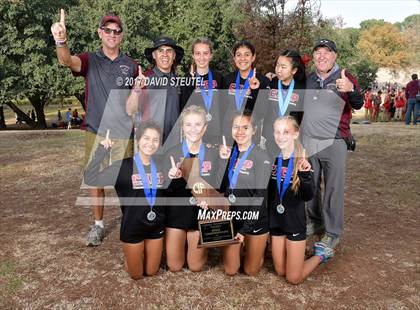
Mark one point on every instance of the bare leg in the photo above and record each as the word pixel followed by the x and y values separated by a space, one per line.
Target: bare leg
pixel 278 252
pixel 297 269
pixel 175 248
pixel 196 257
pixel 255 247
pixel 153 255
pixel 133 255
pixel 232 259
pixel 98 195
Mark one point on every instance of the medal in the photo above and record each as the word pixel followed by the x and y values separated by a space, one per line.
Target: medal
pixel 207 96
pixel 284 102
pixel 193 201
pixel 149 192
pixel 282 186
pixel 233 175
pixel 151 215
pixel 240 94
pixel 280 209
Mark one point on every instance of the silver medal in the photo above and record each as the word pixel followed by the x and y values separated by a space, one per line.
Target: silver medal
pixel 232 198
pixel 280 209
pixel 193 201
pixel 151 215
pixel 208 117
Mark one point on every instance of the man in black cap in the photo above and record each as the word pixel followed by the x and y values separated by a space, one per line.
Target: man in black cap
pixel 331 95
pixel 161 102
pixel 104 70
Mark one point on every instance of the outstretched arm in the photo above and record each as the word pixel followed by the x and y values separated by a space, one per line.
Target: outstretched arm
pixel 58 31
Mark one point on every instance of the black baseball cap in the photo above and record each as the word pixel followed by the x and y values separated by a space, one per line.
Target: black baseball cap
pixel 326 43
pixel 110 19
pixel 164 41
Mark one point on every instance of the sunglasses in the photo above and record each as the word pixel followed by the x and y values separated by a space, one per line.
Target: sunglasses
pixel 109 31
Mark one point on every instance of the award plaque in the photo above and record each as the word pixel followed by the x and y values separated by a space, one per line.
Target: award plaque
pixel 213 232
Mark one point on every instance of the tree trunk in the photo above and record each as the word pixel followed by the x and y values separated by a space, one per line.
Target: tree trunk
pixel 38 103
pixel 22 114
pixel 81 98
pixel 2 120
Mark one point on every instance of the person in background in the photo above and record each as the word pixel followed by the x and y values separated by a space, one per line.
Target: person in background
pixel 413 106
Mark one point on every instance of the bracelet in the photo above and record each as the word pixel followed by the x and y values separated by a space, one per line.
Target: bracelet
pixel 61 43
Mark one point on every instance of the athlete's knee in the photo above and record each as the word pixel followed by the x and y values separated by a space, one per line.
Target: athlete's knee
pixel 231 270
pixel 196 267
pixel 135 276
pixel 251 270
pixel 175 266
pixel 294 279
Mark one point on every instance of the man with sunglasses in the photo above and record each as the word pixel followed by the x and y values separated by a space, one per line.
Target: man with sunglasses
pixel 331 95
pixel 105 70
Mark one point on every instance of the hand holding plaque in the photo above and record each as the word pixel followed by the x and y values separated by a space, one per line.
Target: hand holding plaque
pixel 213 232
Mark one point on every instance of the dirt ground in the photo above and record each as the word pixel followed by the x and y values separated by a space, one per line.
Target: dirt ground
pixel 44 262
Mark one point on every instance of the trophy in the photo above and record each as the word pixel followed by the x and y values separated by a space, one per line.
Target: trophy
pixel 216 231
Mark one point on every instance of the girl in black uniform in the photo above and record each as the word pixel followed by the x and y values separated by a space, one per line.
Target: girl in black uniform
pixel 206 93
pixel 291 184
pixel 242 86
pixel 181 217
pixel 139 183
pixel 245 184
pixel 290 78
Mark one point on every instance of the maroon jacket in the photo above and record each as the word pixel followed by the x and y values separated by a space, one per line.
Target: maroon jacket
pixel 412 89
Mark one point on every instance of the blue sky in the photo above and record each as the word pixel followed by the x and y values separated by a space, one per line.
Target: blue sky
pixel 355 11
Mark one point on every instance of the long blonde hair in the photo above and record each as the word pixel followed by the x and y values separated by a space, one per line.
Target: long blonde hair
pixel 299 151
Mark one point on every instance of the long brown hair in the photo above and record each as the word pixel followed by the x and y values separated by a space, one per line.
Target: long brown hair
pixel 299 151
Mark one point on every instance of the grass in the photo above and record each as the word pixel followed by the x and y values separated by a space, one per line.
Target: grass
pixel 45 264
pixel 10 281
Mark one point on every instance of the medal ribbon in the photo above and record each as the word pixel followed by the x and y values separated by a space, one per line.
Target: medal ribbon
pixel 150 193
pixel 207 95
pixel 233 175
pixel 282 186
pixel 284 102
pixel 201 153
pixel 239 95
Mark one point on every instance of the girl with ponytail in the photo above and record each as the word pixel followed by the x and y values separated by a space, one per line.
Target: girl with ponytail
pixel 291 184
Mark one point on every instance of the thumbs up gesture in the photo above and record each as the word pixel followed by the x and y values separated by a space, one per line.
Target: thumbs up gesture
pixel 140 80
pixel 343 83
pixel 58 30
pixel 254 83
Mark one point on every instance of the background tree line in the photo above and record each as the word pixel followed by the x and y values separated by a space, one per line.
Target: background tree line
pixel 29 67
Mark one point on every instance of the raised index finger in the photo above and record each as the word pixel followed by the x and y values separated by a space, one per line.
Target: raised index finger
pixel 62 16
pixel 255 73
pixel 224 141
pixel 140 71
pixel 173 162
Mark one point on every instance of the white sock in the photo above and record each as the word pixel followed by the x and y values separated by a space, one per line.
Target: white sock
pixel 100 223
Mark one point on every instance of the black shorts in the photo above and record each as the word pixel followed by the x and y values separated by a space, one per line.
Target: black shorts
pixel 135 227
pixel 181 217
pixel 139 236
pixel 292 236
pixel 260 227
